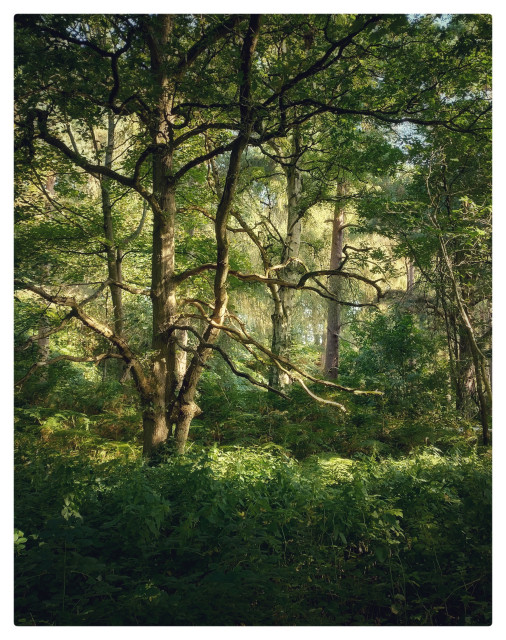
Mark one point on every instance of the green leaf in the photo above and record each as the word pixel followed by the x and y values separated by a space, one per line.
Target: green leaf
pixel 381 553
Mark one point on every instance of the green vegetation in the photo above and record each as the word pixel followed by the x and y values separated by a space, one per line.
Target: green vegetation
pixel 253 320
pixel 252 534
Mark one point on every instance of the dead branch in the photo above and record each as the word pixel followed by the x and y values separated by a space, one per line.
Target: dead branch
pixel 226 358
pixel 319 398
pixel 46 334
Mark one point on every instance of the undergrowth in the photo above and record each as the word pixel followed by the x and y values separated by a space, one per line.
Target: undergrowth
pixel 253 535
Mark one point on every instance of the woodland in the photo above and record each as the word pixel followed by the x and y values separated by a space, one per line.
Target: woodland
pixel 252 320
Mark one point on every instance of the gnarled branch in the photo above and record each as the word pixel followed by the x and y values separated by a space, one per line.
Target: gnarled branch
pixel 101 329
pixel 44 363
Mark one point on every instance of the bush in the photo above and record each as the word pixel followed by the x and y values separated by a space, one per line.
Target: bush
pixel 396 354
pixel 248 535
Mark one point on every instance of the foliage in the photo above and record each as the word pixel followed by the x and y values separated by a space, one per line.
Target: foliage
pixel 261 538
pixel 400 356
pixel 175 181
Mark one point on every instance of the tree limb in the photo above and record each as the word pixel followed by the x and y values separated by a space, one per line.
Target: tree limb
pixel 44 363
pixel 101 329
pixel 227 359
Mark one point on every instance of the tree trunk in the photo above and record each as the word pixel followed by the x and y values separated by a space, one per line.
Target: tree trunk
pixel 410 274
pixel 157 420
pixel 163 299
pixel 44 324
pixel 113 254
pixel 465 374
pixel 43 344
pixel 283 309
pixel 479 361
pixel 185 404
pixel 279 345
pixel 331 366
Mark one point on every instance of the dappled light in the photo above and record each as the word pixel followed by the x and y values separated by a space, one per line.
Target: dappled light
pixel 252 320
pixel 261 537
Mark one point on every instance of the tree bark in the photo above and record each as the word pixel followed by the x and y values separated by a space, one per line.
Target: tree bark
pixel 479 361
pixel 163 295
pixel 285 299
pixel 168 405
pixel 331 365
pixel 44 324
pixel 185 404
pixel 410 274
pixel 43 344
pixel 113 254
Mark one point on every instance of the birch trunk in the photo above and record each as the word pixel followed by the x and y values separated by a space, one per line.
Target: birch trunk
pixel 410 275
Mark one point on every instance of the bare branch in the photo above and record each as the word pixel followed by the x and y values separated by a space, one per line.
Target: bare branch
pixel 322 291
pixel 135 234
pixel 44 363
pixel 46 334
pixel 343 274
pixel 244 338
pixel 184 275
pixel 226 358
pixel 319 398
pixel 101 329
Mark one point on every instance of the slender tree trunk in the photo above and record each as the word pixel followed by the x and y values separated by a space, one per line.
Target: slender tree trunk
pixel 43 344
pixel 44 324
pixel 410 274
pixel 186 406
pixel 452 354
pixel 331 366
pixel 479 361
pixel 458 353
pixel 113 254
pixel 459 350
pixel 465 374
pixel 181 358
pixel 284 304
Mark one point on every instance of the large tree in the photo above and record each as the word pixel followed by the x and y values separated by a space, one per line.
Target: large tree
pixel 191 90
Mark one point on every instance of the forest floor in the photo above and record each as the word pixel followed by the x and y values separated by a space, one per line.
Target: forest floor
pixel 238 533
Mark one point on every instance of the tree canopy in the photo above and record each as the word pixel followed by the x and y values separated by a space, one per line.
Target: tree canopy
pixel 184 116
pixel 253 319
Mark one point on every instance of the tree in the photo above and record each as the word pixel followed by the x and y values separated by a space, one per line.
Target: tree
pixel 157 390
pixel 331 365
pixel 191 90
pixel 441 220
